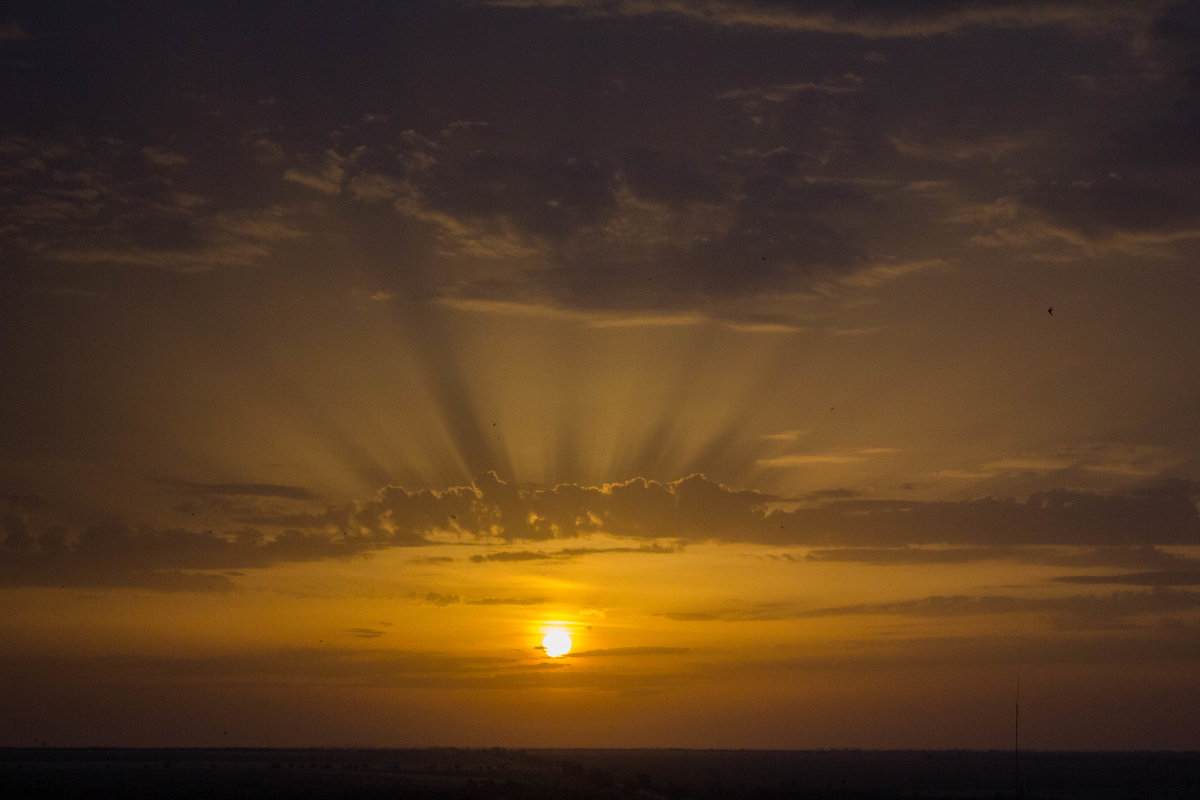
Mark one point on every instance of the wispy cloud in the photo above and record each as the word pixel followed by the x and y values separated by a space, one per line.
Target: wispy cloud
pixel 162 157
pixel 782 92
pixel 1182 577
pixel 805 459
pixel 365 633
pixel 1090 611
pixel 990 147
pixel 1112 607
pixel 99 210
pixel 568 553
pixel 1112 458
pixel 611 319
pixel 1113 557
pixel 630 651
pixel 879 274
pixel 879 21
pixel 325 177
pixel 440 599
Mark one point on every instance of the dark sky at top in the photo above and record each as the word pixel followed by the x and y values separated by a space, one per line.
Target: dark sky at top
pixel 801 129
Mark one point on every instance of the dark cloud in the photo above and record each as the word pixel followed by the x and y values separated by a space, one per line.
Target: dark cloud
pixel 673 179
pixel 324 666
pixel 365 633
pixel 519 555
pixel 1127 557
pixel 439 599
pixel 1140 557
pixel 1183 577
pixel 825 495
pixel 693 616
pixel 781 235
pixel 1109 609
pixel 643 229
pixel 1162 514
pixel 115 555
pixel 602 226
pixel 630 651
pixel 340 517
pixel 568 214
pixel 1116 610
pixel 1122 528
pixel 1138 177
pixel 108 555
pixel 873 19
pixel 427 510
pixel 1099 205
pixel 568 553
pixel 549 196
pixel 106 202
pixel 507 601
pixel 373 667
pixel 818 195
pixel 1172 45
pixel 1172 641
pixel 904 555
pixel 698 509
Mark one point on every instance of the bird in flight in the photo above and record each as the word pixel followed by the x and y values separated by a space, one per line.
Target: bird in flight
pixel 1050 311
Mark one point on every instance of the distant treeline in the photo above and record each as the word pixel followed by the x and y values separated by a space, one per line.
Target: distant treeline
pixel 454 773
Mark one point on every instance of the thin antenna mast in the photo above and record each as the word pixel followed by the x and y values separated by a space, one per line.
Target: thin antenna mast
pixel 1017 741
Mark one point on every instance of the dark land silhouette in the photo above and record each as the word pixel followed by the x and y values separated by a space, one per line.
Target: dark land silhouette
pixel 573 773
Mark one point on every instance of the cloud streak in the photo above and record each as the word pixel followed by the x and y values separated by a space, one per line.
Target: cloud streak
pixel 1116 610
pixel 1127 525
pixel 875 20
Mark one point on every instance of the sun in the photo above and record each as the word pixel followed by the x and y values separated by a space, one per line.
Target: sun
pixel 556 643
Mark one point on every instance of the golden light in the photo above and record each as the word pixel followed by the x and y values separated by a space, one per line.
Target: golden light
pixel 556 643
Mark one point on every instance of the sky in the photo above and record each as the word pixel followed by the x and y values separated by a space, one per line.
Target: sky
pixel 820 369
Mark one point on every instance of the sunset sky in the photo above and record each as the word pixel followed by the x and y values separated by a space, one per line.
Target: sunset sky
pixel 818 367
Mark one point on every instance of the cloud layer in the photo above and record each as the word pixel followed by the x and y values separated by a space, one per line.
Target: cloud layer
pixel 1123 529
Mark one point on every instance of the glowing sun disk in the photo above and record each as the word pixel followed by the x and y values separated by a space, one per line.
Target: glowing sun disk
pixel 556 643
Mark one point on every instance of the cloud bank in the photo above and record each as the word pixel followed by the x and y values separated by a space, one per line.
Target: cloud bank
pixel 1123 528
